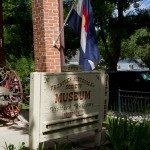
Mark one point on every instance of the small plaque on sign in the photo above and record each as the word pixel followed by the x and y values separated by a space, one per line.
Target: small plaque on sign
pixel 71 68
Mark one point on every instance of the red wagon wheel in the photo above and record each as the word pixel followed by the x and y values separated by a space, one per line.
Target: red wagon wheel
pixel 11 93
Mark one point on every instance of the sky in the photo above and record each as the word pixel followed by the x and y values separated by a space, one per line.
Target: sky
pixel 143 4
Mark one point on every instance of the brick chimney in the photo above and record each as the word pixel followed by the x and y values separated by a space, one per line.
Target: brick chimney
pixel 46 27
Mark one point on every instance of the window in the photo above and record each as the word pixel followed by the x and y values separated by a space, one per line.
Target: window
pixel 131 66
pixel 118 67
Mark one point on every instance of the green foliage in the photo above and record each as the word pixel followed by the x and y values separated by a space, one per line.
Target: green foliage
pixel 66 146
pixel 112 26
pixel 129 135
pixel 23 67
pixel 18 33
pixel 25 107
pixel 42 147
pixel 12 147
pixel 137 46
pixel 63 146
pixel 18 38
pixel 22 146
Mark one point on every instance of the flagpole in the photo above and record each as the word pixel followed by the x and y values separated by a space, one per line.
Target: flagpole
pixel 74 4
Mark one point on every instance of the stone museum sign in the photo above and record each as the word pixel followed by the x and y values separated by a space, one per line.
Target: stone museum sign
pixel 66 103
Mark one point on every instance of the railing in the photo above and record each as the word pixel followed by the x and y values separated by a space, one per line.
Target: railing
pixel 133 102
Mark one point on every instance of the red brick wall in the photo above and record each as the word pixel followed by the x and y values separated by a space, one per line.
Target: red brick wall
pixel 45 15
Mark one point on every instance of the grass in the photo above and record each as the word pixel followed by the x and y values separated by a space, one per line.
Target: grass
pixel 12 147
pixel 129 135
pixel 25 107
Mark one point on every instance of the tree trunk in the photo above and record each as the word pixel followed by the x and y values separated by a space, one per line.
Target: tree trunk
pixel 115 53
pixel 116 36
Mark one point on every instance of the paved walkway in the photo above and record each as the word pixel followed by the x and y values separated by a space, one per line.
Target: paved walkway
pixel 19 132
pixel 15 133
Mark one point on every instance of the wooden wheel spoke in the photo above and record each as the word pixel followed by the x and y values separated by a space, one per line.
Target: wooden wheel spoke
pixel 10 81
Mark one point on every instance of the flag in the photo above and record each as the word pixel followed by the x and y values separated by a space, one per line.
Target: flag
pixel 81 20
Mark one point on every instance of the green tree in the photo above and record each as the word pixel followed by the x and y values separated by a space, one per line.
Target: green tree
pixel 18 36
pixel 18 33
pixel 103 12
pixel 137 46
pixel 113 26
